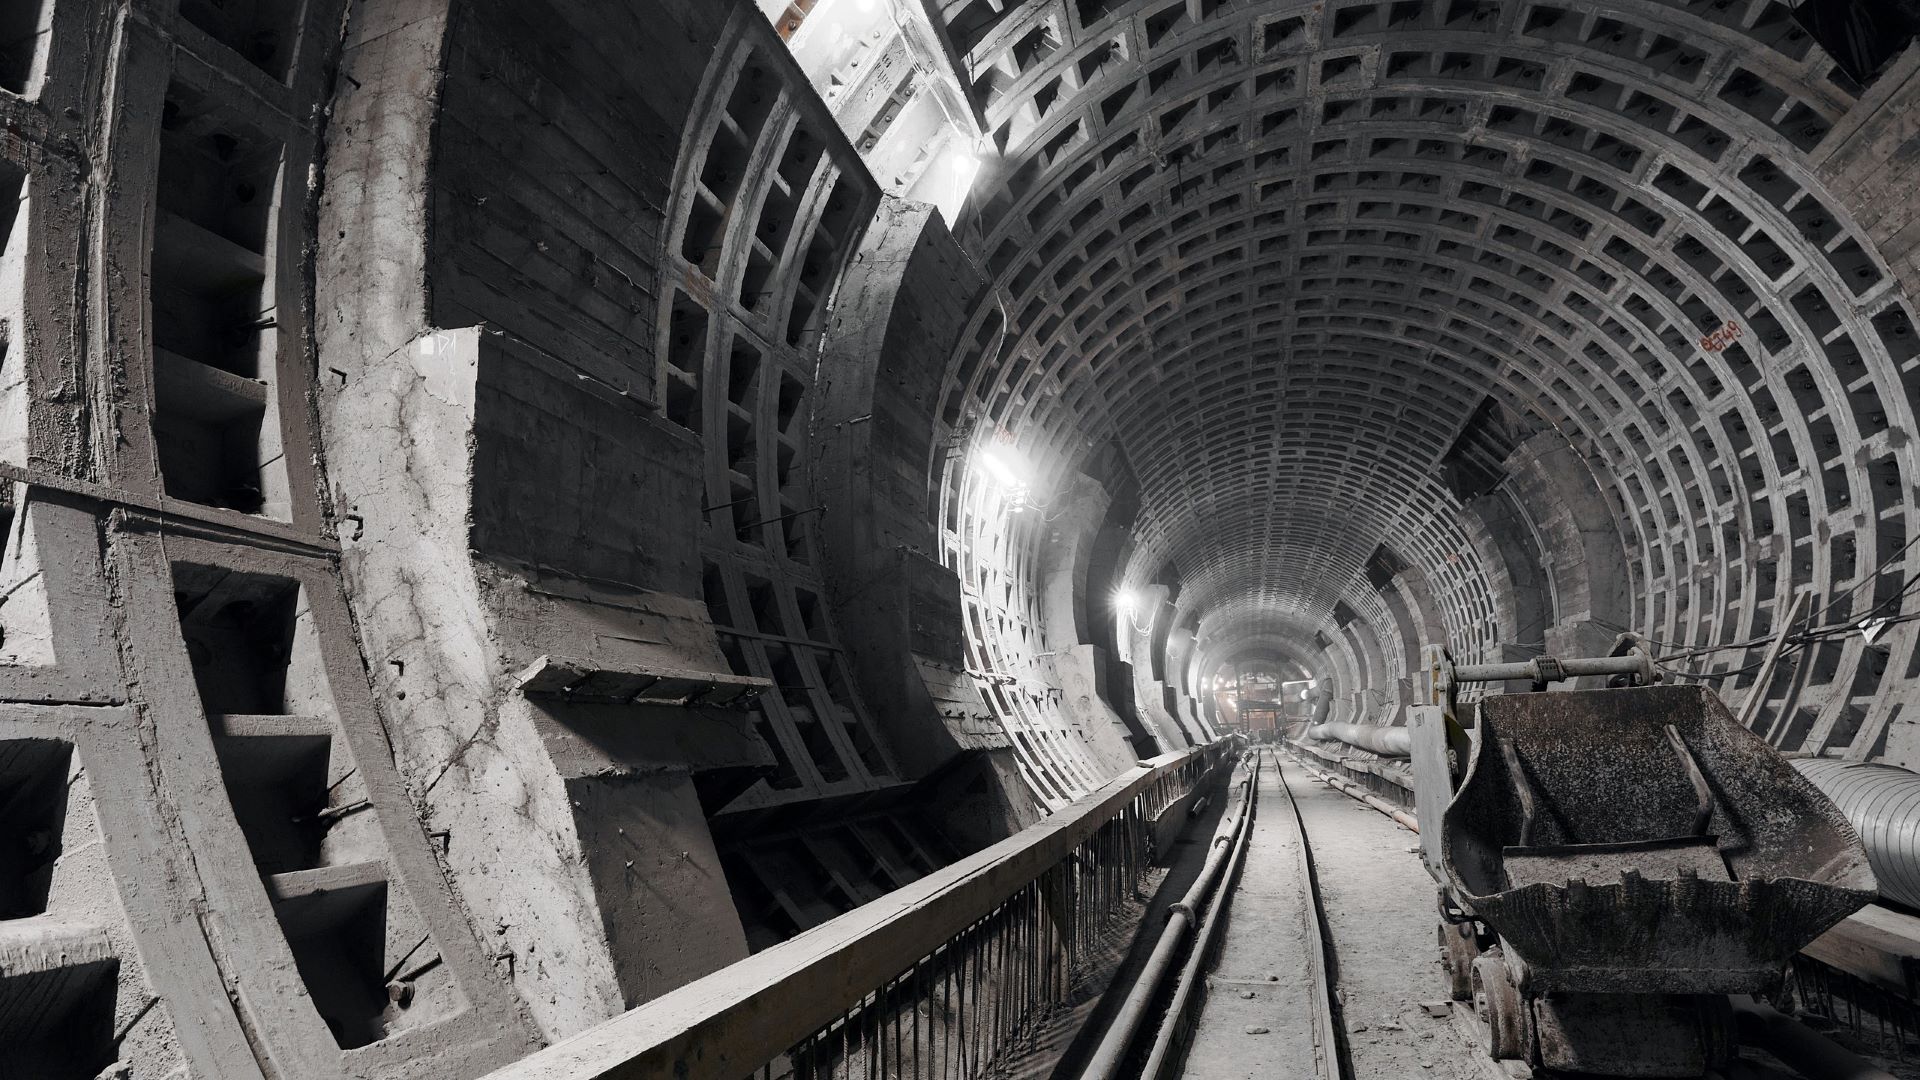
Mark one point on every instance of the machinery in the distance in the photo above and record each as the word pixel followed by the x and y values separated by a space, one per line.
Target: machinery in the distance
pixel 1614 862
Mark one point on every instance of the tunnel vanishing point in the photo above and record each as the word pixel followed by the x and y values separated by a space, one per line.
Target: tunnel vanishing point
pixel 516 508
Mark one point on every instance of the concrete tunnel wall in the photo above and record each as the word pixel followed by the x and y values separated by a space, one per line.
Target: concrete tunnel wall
pixel 394 390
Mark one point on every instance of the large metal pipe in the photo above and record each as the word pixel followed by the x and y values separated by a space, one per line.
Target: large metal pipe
pixel 1177 1015
pixel 1186 914
pixel 1553 669
pixel 1882 802
pixel 1388 741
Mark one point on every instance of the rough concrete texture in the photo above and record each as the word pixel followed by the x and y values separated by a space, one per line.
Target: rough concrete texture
pixel 528 503
pixel 515 474
pixel 1267 946
pixel 1068 608
pixel 903 295
pixel 202 820
pixel 359 358
pixel 870 459
pixel 1140 629
pixel 1383 965
pixel 472 754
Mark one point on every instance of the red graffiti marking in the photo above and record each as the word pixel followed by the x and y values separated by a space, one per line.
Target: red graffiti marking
pixel 1717 341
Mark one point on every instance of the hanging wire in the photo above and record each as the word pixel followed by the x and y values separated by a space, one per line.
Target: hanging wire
pixel 1795 642
pixel 1875 576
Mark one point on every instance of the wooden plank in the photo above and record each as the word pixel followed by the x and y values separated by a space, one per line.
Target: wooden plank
pixel 1877 944
pixel 43 943
pixel 254 725
pixel 187 387
pixel 1757 696
pixel 325 879
pixel 655 684
pixel 178 513
pixel 741 1017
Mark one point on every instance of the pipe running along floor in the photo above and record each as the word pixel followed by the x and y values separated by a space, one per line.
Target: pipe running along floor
pixel 1377 904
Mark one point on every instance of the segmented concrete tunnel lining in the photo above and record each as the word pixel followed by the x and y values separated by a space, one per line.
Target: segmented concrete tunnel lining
pixel 1540 320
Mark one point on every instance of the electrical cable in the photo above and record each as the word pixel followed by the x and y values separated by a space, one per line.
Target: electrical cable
pixel 1854 624
pixel 1875 576
pixel 1796 643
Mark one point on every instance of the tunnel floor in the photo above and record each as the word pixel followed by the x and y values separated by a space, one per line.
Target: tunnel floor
pixel 1388 993
pixel 1378 908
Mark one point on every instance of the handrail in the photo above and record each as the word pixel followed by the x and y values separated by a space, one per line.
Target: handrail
pixel 732 1022
pixel 1185 916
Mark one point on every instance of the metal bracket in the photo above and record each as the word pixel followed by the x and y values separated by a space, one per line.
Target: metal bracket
pixel 1629 661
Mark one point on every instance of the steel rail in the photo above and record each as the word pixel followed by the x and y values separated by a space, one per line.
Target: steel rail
pixel 1162 1060
pixel 1318 942
pixel 852 969
pixel 1757 1024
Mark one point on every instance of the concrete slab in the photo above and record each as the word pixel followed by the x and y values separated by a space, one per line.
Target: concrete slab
pixel 1378 911
pixel 1259 1015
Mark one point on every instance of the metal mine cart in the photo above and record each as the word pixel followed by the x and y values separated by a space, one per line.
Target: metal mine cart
pixel 1614 862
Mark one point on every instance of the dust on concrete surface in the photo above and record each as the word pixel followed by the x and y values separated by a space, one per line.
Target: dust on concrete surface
pixel 1390 1007
pixel 1260 1014
pixel 1379 908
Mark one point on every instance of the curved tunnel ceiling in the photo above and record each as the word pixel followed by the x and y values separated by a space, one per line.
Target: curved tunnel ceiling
pixel 1283 252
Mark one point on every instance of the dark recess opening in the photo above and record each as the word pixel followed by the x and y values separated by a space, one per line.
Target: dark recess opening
pixel 33 815
pixel 239 633
pixel 23 26
pixel 1861 37
pixel 338 937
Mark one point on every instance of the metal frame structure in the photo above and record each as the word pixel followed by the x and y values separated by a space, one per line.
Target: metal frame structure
pixel 995 937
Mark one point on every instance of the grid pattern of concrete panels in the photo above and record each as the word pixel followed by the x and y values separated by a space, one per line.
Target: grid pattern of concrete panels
pixel 1549 149
pixel 770 201
pixel 1378 456
pixel 881 76
pixel 788 882
pixel 991 539
pixel 1237 620
pixel 1229 379
pixel 166 541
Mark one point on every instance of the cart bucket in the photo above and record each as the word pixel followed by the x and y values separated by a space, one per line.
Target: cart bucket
pixel 1641 841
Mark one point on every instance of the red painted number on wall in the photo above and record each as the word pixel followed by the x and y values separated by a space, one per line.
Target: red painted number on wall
pixel 1728 333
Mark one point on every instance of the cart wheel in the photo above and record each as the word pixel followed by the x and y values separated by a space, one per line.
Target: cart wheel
pixel 1509 1023
pixel 1459 948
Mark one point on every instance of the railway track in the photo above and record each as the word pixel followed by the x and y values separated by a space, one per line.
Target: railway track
pixel 1304 948
pixel 1266 983
pixel 1761 1029
pixel 1238 986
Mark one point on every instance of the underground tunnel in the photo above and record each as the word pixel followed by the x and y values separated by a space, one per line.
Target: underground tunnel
pixel 590 539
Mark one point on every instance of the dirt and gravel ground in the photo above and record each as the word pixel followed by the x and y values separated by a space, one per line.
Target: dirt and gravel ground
pixel 1378 906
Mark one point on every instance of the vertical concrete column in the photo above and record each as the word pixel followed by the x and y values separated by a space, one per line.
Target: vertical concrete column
pixel 1070 608
pixel 512 522
pixel 1376 690
pixel 1581 547
pixel 901 309
pixel 1145 631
